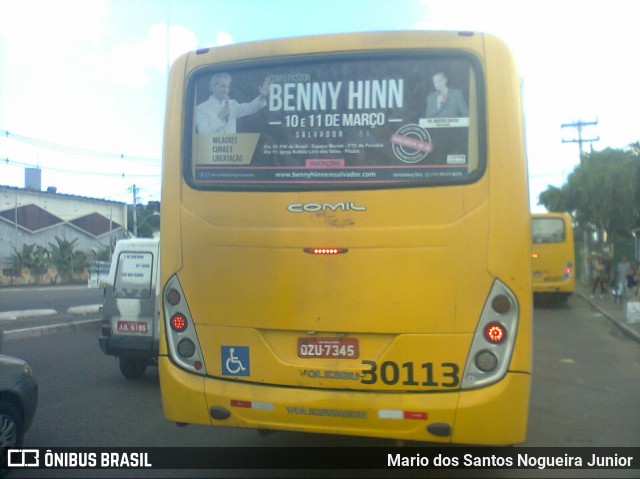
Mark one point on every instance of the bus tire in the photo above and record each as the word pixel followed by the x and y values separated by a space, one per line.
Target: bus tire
pixel 132 368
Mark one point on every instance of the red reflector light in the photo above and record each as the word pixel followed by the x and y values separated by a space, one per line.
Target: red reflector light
pixel 495 333
pixel 414 415
pixel 325 251
pixel 178 322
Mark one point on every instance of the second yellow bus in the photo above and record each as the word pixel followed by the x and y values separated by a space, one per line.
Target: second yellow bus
pixel 553 258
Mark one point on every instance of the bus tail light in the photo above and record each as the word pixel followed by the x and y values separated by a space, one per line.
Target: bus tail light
pixel 186 348
pixel 501 304
pixel 486 361
pixel 495 333
pixel 178 322
pixel 494 339
pixel 173 296
pixel 567 271
pixel 181 336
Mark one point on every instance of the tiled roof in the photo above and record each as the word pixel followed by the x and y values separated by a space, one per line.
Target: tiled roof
pixel 95 224
pixel 33 218
pixel 47 193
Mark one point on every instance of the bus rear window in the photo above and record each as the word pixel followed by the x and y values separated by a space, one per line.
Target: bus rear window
pixel 547 230
pixel 350 121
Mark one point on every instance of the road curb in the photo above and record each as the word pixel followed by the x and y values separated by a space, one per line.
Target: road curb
pixel 86 309
pixel 15 334
pixel 26 313
pixel 633 334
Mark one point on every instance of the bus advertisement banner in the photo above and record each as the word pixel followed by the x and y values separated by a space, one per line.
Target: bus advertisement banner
pixel 356 120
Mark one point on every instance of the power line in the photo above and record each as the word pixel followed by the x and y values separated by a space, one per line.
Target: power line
pixel 579 125
pixel 9 162
pixel 72 150
pixel 151 189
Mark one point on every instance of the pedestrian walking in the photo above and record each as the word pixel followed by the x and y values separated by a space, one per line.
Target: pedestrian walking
pixel 622 270
pixel 599 275
pixel 632 279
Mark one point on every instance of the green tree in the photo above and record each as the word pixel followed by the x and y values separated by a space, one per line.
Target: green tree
pixel 66 258
pixel 20 260
pixel 40 260
pixel 148 217
pixel 602 192
pixel 33 257
pixel 553 199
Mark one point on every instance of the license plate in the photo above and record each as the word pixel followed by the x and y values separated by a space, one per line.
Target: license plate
pixel 132 326
pixel 328 348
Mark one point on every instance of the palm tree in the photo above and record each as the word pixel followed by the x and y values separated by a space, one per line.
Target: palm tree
pixel 66 258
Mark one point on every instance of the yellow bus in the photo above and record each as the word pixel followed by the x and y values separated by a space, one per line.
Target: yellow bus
pixel 346 238
pixel 554 277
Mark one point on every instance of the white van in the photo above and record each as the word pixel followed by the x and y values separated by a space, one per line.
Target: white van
pixel 130 313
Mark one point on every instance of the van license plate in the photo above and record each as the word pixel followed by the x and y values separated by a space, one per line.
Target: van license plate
pixel 328 348
pixel 132 326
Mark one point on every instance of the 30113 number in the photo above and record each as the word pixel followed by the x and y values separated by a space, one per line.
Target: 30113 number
pixel 391 373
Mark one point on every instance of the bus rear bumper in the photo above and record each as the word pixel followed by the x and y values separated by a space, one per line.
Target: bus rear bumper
pixel 550 288
pixel 493 415
pixel 568 286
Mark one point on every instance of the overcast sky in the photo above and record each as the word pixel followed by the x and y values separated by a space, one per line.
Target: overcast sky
pixel 83 83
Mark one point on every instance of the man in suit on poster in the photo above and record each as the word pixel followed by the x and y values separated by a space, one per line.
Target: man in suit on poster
pixel 219 113
pixel 445 102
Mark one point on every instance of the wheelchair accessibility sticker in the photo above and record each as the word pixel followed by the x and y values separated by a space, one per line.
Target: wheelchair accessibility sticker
pixel 235 361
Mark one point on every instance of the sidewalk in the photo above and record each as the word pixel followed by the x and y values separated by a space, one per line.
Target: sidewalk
pixel 612 311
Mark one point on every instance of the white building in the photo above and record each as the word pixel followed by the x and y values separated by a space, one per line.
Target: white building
pixel 31 216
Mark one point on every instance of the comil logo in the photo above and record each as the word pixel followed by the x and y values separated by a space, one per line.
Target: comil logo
pixel 318 207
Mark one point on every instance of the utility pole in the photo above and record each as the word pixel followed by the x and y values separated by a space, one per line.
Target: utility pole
pixel 135 210
pixel 579 125
pixel 585 237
